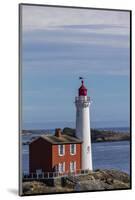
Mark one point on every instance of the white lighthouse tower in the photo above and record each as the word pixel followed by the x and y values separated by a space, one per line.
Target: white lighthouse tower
pixel 83 132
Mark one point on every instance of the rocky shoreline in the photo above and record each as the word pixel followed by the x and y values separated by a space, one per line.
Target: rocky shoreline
pixel 94 181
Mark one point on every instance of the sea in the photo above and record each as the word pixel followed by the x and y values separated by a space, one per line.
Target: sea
pixel 105 155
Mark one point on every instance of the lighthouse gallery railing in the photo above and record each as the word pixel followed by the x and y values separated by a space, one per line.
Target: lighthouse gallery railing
pixel 82 98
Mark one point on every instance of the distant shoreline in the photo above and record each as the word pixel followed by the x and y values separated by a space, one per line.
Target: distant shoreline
pixel 96 134
pixel 103 135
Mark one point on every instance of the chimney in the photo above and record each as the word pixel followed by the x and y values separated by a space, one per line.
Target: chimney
pixel 58 132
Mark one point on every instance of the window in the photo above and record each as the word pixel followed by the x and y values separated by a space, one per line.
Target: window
pixel 61 150
pixel 61 167
pixel 72 149
pixel 72 166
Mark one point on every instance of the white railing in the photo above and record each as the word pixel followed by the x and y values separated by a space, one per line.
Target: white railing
pixel 82 98
pixel 48 175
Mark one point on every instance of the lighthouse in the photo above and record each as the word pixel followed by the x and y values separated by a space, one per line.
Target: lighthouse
pixel 82 102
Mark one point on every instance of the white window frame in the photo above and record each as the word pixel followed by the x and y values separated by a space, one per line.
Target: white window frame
pixel 59 146
pixel 62 167
pixel 72 166
pixel 71 149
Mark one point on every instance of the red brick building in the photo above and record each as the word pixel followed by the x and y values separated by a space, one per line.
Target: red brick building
pixel 55 153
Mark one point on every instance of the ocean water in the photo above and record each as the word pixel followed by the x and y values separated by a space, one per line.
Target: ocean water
pixel 112 155
pixel 106 155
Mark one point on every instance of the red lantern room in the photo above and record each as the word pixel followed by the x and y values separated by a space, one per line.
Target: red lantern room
pixel 82 90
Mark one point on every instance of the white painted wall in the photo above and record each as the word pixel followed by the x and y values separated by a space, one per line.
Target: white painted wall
pixel 83 129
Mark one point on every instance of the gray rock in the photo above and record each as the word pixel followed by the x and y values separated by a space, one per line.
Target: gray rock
pixel 103 180
pixel 93 181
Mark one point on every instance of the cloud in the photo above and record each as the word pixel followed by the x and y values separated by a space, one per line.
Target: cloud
pixel 92 26
pixel 75 37
pixel 43 18
pixel 97 29
pixel 70 40
pixel 75 67
pixel 60 44
pixel 106 55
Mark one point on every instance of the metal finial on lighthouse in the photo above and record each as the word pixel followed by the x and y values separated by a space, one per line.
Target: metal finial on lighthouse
pixel 81 78
pixel 82 102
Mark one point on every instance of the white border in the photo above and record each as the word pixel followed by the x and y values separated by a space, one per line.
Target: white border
pixel 9 98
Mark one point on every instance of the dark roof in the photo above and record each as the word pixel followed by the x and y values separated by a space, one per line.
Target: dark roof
pixel 64 139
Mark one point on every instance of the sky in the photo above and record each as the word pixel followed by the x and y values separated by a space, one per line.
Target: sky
pixel 61 44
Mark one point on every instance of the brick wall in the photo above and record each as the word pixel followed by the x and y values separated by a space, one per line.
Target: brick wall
pixel 67 158
pixel 43 155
